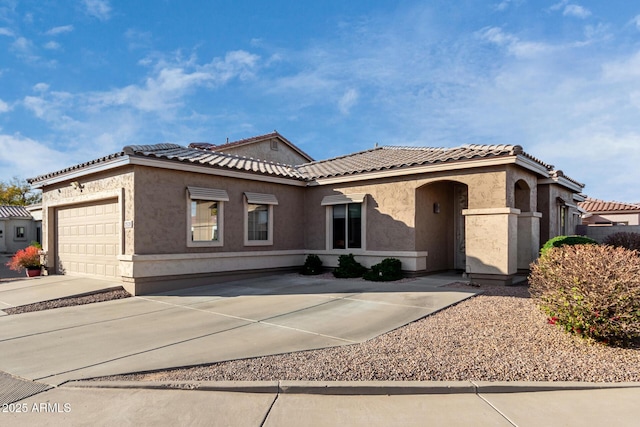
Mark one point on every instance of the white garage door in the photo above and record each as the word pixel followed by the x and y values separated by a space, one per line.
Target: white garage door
pixel 88 239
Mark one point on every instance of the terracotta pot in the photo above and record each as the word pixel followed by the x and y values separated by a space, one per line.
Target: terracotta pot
pixel 33 272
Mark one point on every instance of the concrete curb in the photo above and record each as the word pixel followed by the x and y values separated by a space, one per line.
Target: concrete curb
pixel 353 387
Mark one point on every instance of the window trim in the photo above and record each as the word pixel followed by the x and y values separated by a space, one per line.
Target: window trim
pixel 268 200
pixel 207 194
pixel 345 199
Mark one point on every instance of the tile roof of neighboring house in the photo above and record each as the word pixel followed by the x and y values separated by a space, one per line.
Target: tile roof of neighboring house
pixel 232 144
pixel 14 212
pixel 601 206
pixel 376 159
pixel 390 157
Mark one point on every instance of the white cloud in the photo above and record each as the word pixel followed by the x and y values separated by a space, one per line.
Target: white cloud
pixel 505 4
pixel 138 39
pixel 100 9
pixel 59 30
pixel 4 107
pixel 576 11
pixel 4 31
pixel 569 9
pixel 22 45
pixel 513 44
pixel 52 45
pixel 348 100
pixel 636 21
pixel 25 166
pixel 165 90
pixel 41 87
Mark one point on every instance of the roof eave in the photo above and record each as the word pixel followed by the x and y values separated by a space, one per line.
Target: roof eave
pixel 39 183
pixel 429 168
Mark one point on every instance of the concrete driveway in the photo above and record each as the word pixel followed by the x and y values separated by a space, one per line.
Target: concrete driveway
pixel 243 319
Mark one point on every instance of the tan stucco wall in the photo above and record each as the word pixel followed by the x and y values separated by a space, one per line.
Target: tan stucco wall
pixel 547 205
pixel 112 184
pixel 161 212
pixel 262 150
pixel 400 214
pixel 630 218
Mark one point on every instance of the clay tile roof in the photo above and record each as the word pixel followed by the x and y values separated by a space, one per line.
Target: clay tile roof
pixel 14 212
pixel 601 206
pixel 389 157
pixel 178 153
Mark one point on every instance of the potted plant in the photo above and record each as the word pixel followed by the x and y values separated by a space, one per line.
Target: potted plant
pixel 27 259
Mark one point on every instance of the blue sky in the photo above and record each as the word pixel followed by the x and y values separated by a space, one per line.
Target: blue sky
pixel 81 79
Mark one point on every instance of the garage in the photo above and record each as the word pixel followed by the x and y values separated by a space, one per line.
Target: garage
pixel 88 239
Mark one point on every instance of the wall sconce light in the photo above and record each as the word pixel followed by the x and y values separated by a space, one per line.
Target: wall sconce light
pixel 436 208
pixel 76 185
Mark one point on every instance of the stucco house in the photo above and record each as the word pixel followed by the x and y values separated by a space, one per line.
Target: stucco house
pixel 18 227
pixel 165 216
pixel 601 212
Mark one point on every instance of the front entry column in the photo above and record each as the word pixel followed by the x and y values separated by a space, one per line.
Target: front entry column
pixel 528 238
pixel 492 244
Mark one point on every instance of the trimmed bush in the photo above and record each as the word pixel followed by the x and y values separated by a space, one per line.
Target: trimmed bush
pixel 590 290
pixel 624 239
pixel 348 267
pixel 312 265
pixel 559 241
pixel 388 270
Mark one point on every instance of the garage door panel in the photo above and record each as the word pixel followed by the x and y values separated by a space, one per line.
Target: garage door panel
pixel 88 239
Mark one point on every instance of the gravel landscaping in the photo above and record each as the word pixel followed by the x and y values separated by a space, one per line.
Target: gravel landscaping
pixel 499 335
pixel 68 302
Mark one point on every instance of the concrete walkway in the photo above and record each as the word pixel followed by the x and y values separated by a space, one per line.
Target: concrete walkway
pixel 248 318
pixel 323 404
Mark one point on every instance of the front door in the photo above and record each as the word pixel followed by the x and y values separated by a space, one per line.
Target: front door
pixel 461 202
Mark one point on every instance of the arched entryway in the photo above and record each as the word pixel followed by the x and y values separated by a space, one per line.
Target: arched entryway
pixel 440 225
pixel 528 225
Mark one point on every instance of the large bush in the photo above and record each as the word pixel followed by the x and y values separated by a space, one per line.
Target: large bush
pixel 312 265
pixel 624 239
pixel 590 290
pixel 389 269
pixel 348 267
pixel 559 241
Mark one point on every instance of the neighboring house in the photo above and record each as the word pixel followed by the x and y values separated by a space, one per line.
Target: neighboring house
pixel 601 219
pixel 600 212
pixel 159 217
pixel 18 228
pixel 271 147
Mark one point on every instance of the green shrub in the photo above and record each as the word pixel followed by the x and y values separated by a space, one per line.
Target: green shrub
pixel 312 265
pixel 559 241
pixel 590 290
pixel 348 267
pixel 388 270
pixel 624 239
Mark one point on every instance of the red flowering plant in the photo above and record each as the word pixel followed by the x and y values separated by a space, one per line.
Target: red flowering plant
pixel 28 258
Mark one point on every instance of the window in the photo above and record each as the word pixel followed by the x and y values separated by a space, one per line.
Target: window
pixel 345 221
pixel 205 216
pixel 347 226
pixel 21 233
pixel 259 218
pixel 257 222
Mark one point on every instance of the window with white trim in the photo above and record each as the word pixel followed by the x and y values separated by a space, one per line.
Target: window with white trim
pixel 205 216
pixel 345 221
pixel 21 233
pixel 258 218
